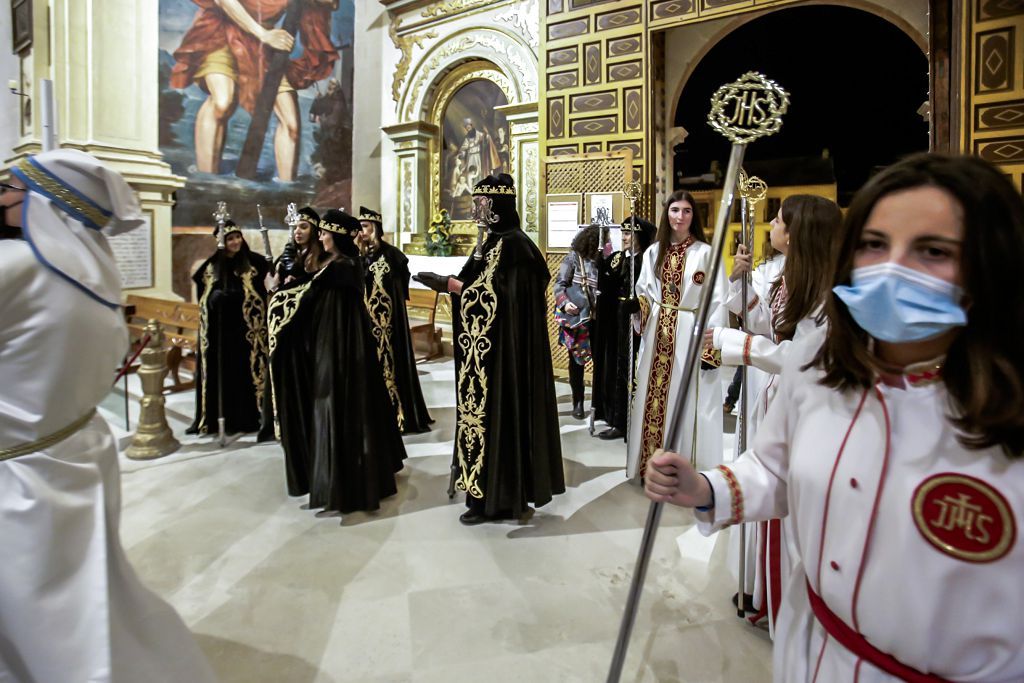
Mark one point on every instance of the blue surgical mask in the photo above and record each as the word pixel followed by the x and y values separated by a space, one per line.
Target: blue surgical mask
pixel 896 304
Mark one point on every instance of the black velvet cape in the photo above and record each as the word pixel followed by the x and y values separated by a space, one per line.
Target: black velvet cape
pixel 387 290
pixel 233 328
pixel 616 391
pixel 507 438
pixel 337 424
pixel 604 337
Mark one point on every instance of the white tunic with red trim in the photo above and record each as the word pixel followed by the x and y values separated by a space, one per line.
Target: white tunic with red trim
pixel 666 331
pixel 908 537
pixel 71 606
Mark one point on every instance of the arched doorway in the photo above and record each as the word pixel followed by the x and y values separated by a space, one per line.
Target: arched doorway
pixel 857 83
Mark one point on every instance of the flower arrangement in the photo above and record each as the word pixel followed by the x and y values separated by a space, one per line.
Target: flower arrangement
pixel 439 235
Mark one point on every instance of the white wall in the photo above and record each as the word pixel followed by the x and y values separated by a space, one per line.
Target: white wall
pixel 371 81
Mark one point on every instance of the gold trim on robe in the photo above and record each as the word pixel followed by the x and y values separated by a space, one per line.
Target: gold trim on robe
pixel 378 304
pixel 478 308
pixel 283 306
pixel 204 342
pixel 254 312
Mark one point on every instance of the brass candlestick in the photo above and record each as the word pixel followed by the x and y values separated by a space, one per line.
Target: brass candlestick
pixel 153 438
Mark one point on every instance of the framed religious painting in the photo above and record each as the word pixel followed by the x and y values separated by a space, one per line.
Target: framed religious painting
pixel 475 143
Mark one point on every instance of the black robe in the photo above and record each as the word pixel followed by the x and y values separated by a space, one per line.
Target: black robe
pixel 337 424
pixel 617 381
pixel 507 441
pixel 387 290
pixel 604 334
pixel 232 327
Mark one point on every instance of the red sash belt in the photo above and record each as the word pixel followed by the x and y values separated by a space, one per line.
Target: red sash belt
pixel 858 644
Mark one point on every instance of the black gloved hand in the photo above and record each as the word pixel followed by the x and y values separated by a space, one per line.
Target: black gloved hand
pixel 438 283
pixel 630 306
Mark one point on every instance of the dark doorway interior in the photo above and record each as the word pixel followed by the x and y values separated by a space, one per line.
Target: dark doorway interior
pixel 856 83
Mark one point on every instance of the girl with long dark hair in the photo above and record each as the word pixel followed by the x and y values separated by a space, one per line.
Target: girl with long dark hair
pixel 895 443
pixel 672 279
pixel 232 336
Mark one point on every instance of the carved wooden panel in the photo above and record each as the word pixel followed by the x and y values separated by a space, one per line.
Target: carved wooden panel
pixel 556 117
pixel 592 63
pixel 717 4
pixel 998 9
pixel 598 125
pixel 636 147
pixel 564 56
pixel 624 46
pixel 582 4
pixel 1001 150
pixel 994 66
pixel 555 6
pixel 672 8
pixel 624 71
pixel 563 80
pixel 568 29
pixel 633 109
pixel 588 102
pixel 562 150
pixel 592 147
pixel 999 116
pixel 613 20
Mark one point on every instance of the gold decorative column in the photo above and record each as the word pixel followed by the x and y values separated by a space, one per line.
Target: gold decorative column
pixel 523 124
pixel 412 143
pixel 153 438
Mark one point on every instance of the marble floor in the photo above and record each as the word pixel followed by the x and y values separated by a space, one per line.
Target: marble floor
pixel 276 594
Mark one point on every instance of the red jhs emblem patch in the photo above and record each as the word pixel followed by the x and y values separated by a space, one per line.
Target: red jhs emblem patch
pixel 698 277
pixel 964 517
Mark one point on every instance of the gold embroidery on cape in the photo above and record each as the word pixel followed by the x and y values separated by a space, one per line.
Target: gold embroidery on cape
pixel 254 313
pixel 283 306
pixel 204 342
pixel 660 378
pixel 378 303
pixel 616 260
pixel 479 306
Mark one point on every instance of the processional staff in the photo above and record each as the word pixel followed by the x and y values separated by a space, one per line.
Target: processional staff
pixel 266 237
pixel 633 192
pixel 752 191
pixel 742 111
pixel 221 216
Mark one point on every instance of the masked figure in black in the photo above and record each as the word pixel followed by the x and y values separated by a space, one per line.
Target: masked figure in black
pixel 615 305
pixel 232 336
pixel 300 259
pixel 387 289
pixel 506 436
pixel 338 428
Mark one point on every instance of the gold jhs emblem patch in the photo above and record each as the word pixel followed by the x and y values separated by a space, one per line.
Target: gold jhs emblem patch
pixel 698 277
pixel 964 517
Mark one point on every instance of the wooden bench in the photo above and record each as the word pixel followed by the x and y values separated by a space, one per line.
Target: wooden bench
pixel 424 330
pixel 180 323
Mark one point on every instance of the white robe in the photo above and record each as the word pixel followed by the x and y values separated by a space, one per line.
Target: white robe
pixel 759 390
pixel 861 545
pixel 703 409
pixel 71 607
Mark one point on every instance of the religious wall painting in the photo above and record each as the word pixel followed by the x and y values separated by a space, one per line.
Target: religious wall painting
pixel 475 143
pixel 212 71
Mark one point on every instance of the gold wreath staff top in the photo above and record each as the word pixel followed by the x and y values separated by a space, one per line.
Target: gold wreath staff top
pixel 748 108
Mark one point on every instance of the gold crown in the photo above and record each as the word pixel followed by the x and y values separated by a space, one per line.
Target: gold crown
pixel 334 227
pixel 495 189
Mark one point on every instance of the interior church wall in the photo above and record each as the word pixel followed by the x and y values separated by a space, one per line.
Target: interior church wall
pixel 370 90
pixel 10 113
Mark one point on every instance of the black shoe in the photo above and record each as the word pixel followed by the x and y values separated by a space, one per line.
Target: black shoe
pixel 609 434
pixel 470 518
pixel 748 602
pixel 577 411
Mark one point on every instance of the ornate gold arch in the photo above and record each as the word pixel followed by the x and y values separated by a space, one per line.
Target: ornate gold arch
pixel 476 70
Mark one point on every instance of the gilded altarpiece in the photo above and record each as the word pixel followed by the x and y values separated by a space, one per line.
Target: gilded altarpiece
pixel 453 53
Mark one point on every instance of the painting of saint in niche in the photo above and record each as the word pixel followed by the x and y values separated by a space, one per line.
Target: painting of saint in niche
pixel 476 144
pixel 216 60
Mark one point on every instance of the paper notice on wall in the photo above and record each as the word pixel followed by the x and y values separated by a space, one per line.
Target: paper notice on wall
pixel 133 251
pixel 563 222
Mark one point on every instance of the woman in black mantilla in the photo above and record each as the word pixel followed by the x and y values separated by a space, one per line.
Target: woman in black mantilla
pixel 301 258
pixel 387 289
pixel 506 434
pixel 232 330
pixel 338 427
pixel 614 390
